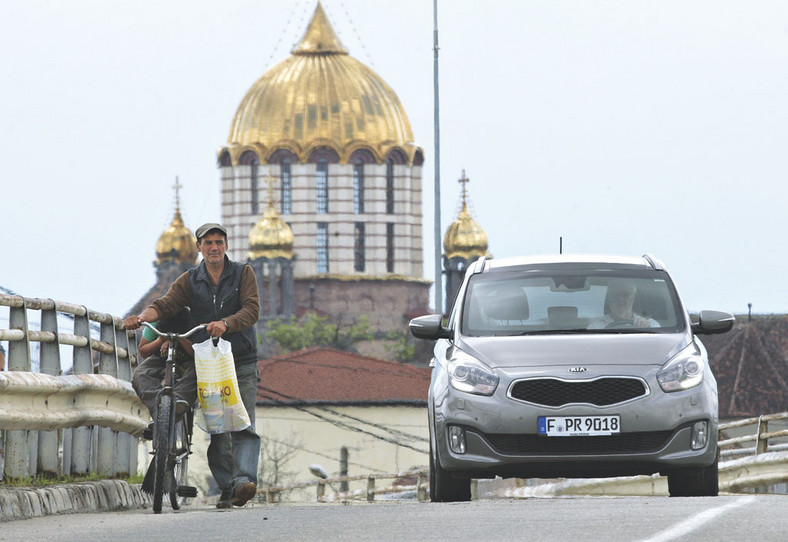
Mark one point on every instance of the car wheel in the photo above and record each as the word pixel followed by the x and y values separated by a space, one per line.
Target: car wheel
pixel 444 487
pixel 700 482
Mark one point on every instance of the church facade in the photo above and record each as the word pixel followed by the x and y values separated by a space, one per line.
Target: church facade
pixel 324 144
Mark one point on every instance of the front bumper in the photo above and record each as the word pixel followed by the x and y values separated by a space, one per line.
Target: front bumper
pixel 501 435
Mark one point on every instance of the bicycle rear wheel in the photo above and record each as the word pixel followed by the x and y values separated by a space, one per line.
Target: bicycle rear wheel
pixel 162 453
pixel 180 463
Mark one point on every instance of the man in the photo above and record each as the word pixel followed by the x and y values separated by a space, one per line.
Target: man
pixel 222 294
pixel 619 303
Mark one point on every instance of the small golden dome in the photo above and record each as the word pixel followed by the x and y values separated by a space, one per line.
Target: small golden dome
pixel 271 237
pixel 321 96
pixel 465 237
pixel 177 244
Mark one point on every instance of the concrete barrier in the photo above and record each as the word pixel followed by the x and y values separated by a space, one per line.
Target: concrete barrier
pixel 102 495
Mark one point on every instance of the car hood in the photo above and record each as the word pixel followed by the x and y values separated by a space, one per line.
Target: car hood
pixel 618 349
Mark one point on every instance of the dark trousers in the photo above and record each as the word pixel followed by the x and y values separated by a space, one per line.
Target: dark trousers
pixel 233 457
pixel 147 379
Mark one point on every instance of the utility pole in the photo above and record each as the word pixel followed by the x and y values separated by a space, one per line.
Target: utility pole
pixel 437 231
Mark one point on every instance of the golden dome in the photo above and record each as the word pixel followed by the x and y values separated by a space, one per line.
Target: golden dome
pixel 271 237
pixel 177 244
pixel 465 237
pixel 320 96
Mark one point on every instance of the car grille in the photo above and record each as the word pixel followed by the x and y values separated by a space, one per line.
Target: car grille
pixel 623 443
pixel 555 393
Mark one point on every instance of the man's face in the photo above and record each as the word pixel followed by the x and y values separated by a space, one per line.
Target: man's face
pixel 620 300
pixel 212 247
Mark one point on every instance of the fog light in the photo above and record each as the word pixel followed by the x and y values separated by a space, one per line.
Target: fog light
pixel 457 439
pixel 700 435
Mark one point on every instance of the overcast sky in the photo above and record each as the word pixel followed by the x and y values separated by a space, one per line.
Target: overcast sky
pixel 621 126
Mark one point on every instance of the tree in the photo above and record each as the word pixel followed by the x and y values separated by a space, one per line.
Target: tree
pixel 314 330
pixel 400 348
pixel 274 456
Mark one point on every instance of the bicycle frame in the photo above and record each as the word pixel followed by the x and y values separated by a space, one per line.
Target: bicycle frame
pixel 166 452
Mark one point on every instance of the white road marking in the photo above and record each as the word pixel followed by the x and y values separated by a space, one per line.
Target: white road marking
pixel 697 521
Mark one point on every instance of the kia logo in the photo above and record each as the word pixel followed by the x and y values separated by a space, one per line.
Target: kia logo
pixel 578 370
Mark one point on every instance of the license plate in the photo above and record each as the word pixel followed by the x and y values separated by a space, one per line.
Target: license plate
pixel 579 426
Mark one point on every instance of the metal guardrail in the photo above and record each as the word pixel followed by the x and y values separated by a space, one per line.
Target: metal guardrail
pixel 74 424
pixel 731 446
pixel 735 474
pixel 371 491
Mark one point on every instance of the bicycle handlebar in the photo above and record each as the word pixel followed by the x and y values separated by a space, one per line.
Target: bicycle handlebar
pixel 167 335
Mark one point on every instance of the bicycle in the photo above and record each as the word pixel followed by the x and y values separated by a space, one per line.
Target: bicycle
pixel 172 435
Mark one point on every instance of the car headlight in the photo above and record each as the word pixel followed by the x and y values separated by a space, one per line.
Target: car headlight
pixel 468 374
pixel 682 372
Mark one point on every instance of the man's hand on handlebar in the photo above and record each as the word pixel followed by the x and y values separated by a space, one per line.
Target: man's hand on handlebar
pixel 133 322
pixel 216 329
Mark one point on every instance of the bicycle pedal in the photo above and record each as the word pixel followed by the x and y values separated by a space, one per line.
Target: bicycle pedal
pixel 187 491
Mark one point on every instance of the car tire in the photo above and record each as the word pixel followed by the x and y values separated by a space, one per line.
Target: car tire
pixel 443 486
pixel 698 482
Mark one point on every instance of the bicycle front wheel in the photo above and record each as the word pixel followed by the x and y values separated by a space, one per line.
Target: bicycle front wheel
pixel 181 463
pixel 162 453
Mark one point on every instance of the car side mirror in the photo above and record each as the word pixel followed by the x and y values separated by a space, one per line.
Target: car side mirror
pixel 712 322
pixel 429 327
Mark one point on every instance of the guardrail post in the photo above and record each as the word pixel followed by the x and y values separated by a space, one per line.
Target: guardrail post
pixel 17 460
pixel 130 339
pixel 761 445
pixel 321 490
pixel 49 441
pixel 126 458
pixel 421 488
pixel 107 438
pixel 370 488
pixel 83 364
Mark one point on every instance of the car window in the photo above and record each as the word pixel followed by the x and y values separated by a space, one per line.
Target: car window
pixel 601 301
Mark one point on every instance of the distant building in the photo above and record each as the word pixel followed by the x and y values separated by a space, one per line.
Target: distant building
pixel 334 140
pixel 465 241
pixel 313 402
pixel 176 252
pixel 749 363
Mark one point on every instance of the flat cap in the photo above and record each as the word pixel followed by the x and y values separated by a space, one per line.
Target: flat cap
pixel 205 229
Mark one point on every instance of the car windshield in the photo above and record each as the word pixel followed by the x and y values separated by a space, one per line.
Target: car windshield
pixel 570 301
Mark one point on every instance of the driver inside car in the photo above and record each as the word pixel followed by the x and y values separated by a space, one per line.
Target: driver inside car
pixel 619 302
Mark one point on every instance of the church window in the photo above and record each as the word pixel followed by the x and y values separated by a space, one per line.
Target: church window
pixel 358 187
pixel 322 186
pixel 358 248
pixel 286 183
pixel 254 168
pixel 322 247
pixel 390 186
pixel 390 247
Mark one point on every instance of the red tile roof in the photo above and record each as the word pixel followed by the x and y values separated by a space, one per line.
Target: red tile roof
pixel 329 376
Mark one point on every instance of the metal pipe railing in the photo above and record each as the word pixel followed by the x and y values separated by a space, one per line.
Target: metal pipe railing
pixel 53 425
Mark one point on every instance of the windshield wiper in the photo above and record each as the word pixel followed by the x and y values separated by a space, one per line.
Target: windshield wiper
pixel 554 331
pixel 630 330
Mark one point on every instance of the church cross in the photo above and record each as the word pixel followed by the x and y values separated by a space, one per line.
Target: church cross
pixel 464 181
pixel 177 186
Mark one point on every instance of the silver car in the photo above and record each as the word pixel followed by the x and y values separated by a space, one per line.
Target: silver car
pixel 571 366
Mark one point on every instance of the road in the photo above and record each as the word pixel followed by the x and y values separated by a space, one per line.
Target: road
pixel 609 519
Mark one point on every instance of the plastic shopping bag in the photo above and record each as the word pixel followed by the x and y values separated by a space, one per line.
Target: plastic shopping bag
pixel 221 408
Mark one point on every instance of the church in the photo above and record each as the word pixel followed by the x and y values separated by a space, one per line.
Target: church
pixel 321 192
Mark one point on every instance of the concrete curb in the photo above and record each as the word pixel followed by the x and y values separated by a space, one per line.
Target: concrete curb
pixel 102 495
